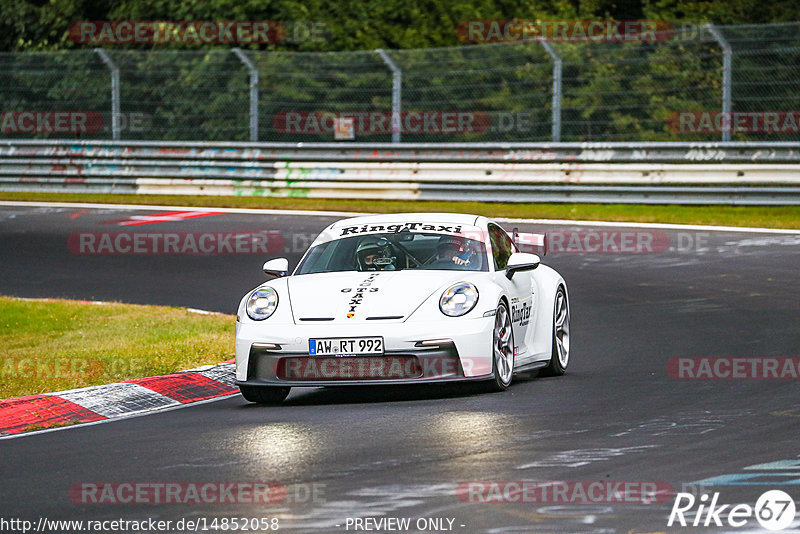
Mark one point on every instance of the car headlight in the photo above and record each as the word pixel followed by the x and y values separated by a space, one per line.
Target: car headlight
pixel 458 299
pixel 262 303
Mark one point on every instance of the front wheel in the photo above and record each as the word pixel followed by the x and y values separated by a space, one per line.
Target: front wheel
pixel 502 350
pixel 264 394
pixel 559 358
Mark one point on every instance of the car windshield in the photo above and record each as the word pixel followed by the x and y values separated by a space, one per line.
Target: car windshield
pixel 396 252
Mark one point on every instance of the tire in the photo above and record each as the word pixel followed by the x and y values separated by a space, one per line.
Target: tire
pixel 264 394
pixel 502 350
pixel 559 357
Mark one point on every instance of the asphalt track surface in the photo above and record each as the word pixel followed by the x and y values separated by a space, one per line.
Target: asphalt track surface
pixel 401 452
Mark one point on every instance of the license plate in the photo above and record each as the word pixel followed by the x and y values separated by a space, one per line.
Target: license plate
pixel 340 346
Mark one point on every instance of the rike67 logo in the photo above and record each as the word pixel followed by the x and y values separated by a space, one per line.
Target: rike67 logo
pixel 774 510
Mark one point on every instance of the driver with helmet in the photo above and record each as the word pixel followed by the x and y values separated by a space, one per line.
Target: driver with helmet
pixel 371 257
pixel 452 249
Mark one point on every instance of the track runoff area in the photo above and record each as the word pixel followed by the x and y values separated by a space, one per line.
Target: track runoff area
pixel 679 406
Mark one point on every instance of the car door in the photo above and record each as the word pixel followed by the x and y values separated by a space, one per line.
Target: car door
pixel 520 291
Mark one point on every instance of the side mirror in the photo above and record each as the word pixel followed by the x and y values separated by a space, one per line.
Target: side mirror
pixel 521 261
pixel 277 267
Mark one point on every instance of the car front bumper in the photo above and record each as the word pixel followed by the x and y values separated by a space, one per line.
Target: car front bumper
pixel 445 351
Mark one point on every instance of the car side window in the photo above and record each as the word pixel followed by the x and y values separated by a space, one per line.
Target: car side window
pixel 502 247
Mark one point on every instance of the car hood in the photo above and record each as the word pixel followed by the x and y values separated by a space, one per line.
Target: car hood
pixel 364 296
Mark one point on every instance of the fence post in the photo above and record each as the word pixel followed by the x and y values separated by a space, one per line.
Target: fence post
pixel 726 79
pixel 397 93
pixel 556 105
pixel 115 113
pixel 251 67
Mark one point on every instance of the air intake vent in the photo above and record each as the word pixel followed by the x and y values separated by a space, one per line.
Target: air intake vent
pixel 384 317
pixel 316 318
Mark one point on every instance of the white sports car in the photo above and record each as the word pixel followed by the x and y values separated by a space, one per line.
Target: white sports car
pixel 404 298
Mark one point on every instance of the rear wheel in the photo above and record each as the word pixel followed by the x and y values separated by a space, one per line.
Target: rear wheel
pixel 559 358
pixel 502 349
pixel 264 394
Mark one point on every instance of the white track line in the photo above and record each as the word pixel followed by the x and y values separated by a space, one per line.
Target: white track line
pixel 663 226
pixel 178 208
pixel 310 213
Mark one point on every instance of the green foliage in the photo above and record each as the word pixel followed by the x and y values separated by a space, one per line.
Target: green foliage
pixel 52 345
pixel 361 24
pixel 611 91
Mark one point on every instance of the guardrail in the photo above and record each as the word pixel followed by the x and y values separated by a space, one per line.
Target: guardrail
pixel 686 173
